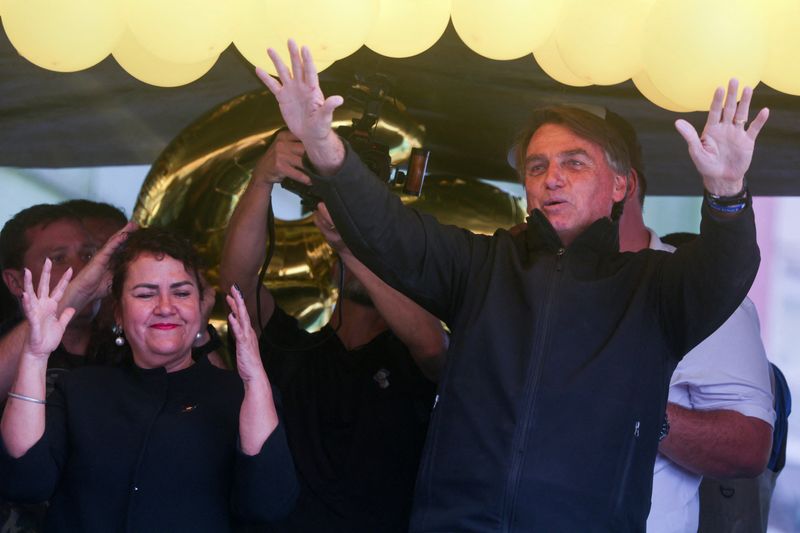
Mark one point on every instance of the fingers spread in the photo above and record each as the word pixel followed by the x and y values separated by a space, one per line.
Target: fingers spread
pixel 27 282
pixel 715 111
pixel 743 109
pixel 58 292
pixel 688 133
pixel 309 69
pixel 297 63
pixel 758 123
pixel 730 101
pixel 280 67
pixel 44 279
pixel 271 83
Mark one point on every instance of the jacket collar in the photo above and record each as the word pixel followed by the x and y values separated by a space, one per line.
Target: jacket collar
pixel 601 238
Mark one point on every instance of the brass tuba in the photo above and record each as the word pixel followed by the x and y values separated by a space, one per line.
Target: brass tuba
pixel 195 183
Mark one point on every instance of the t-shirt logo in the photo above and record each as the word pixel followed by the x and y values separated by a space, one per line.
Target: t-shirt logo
pixel 381 378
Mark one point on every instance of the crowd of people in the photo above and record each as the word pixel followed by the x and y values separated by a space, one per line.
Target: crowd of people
pixel 574 373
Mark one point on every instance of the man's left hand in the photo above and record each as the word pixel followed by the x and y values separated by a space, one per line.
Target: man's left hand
pixel 722 154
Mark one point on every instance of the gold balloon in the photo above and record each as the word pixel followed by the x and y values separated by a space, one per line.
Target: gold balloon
pixel 692 47
pixel 601 41
pixel 642 82
pixel 182 31
pixel 782 71
pixel 408 27
pixel 64 36
pixel 331 30
pixel 154 70
pixel 504 29
pixel 549 59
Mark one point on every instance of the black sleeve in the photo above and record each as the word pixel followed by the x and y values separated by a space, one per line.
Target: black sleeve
pixel 33 477
pixel 412 252
pixel 704 282
pixel 265 485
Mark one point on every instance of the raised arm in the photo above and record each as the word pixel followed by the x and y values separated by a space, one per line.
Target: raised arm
pixel 89 285
pixel 246 239
pixel 706 280
pixel 23 419
pixel 308 114
pixel 257 417
pixel 265 484
pixel 426 261
pixel 420 331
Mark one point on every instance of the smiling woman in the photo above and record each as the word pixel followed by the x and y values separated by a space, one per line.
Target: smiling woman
pixel 160 442
pixel 157 290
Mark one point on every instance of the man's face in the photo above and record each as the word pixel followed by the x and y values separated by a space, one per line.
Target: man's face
pixel 65 242
pixel 569 179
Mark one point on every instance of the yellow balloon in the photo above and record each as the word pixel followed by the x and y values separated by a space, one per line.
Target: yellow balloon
pixel 782 71
pixel 182 31
pixel 642 82
pixel 408 27
pixel 549 58
pixel 601 41
pixel 331 30
pixel 504 29
pixel 692 47
pixel 143 65
pixel 66 35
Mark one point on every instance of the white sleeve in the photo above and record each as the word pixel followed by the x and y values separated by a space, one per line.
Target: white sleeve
pixel 728 371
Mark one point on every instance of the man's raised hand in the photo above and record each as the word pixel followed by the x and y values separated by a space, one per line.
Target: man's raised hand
pixel 306 111
pixel 722 154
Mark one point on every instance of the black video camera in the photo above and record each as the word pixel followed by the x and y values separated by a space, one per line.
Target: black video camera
pixel 374 155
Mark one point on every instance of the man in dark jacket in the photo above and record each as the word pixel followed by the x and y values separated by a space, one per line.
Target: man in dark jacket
pixel 553 395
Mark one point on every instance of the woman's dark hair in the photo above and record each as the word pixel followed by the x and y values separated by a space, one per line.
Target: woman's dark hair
pixel 159 242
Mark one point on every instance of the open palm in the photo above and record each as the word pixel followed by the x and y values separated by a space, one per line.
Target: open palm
pixel 722 154
pixel 308 114
pixel 46 328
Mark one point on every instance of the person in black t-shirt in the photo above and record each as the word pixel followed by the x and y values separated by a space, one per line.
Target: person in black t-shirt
pixel 357 394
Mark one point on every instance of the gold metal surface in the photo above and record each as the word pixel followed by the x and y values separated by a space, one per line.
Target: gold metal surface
pixel 195 183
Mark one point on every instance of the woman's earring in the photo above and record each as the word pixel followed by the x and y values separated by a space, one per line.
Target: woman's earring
pixel 119 340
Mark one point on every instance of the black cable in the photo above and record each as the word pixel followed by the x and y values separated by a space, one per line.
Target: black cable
pixel 262 274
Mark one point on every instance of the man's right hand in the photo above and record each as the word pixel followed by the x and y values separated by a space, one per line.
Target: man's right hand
pixel 283 159
pixel 306 111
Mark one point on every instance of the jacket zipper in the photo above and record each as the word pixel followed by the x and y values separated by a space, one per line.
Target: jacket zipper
pixel 532 385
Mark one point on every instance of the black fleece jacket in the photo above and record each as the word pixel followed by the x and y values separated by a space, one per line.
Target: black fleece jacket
pixel 127 449
pixel 556 380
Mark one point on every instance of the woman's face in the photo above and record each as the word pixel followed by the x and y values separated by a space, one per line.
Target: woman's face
pixel 160 312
